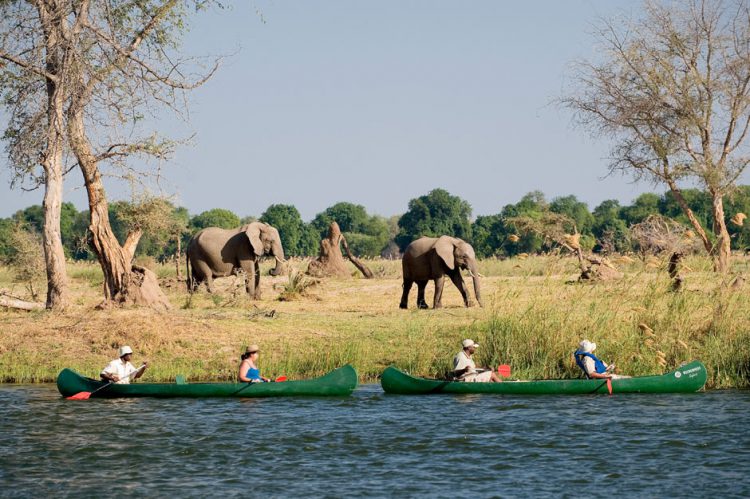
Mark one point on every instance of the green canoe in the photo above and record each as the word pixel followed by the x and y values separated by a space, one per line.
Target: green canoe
pixel 339 382
pixel 688 378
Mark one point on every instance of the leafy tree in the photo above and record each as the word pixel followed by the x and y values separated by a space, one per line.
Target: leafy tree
pixel 576 210
pixel 673 96
pixel 610 230
pixel 33 219
pixel 489 233
pixel 297 238
pixel 350 217
pixel 6 239
pixel 80 78
pixel 533 205
pixel 216 217
pixel 435 214
pixel 644 205
pixel 32 83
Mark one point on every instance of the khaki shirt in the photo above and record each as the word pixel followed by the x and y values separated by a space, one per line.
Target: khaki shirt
pixel 463 360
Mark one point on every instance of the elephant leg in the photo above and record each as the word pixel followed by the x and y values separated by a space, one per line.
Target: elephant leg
pixel 202 272
pixel 249 275
pixel 461 285
pixel 256 278
pixel 439 283
pixel 405 295
pixel 421 285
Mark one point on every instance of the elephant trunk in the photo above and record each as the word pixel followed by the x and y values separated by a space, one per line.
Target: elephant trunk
pixel 278 253
pixel 475 275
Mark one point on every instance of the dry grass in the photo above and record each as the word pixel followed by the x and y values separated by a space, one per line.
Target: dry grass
pixel 532 319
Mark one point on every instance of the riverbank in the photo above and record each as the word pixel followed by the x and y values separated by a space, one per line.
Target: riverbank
pixel 533 319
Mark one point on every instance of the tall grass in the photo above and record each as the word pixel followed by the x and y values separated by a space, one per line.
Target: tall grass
pixel 534 316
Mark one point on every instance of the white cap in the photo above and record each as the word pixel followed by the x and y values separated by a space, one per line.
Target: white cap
pixel 469 343
pixel 124 350
pixel 587 346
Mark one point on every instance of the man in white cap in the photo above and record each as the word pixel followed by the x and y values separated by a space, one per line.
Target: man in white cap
pixel 121 371
pixel 465 369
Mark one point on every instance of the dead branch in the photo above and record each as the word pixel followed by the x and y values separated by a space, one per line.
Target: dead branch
pixel 356 261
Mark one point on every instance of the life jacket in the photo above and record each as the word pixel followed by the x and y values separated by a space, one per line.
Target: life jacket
pixel 253 373
pixel 599 366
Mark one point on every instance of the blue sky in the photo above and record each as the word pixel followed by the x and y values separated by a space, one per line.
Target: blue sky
pixel 380 102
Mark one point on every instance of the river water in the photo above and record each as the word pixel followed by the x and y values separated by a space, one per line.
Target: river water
pixel 372 444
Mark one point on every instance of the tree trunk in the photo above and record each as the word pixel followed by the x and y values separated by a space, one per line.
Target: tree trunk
pixel 123 283
pixel 54 255
pixel 722 248
pixel 52 163
pixel 691 216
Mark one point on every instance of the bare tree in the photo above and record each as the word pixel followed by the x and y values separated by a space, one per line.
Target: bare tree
pixel 116 64
pixel 553 229
pixel 659 234
pixel 673 92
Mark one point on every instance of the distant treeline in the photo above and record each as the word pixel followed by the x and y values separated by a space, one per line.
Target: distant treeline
pixel 607 227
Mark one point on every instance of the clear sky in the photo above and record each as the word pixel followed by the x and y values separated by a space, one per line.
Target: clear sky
pixel 380 102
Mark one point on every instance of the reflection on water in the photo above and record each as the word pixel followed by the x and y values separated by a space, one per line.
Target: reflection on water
pixel 376 444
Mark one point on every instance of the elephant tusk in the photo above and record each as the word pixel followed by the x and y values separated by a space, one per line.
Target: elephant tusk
pixel 279 259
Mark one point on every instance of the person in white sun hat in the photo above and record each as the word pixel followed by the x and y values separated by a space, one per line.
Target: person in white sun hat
pixel 591 365
pixel 464 368
pixel 121 371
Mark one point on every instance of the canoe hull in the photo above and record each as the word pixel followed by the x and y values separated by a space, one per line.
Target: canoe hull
pixel 688 378
pixel 340 382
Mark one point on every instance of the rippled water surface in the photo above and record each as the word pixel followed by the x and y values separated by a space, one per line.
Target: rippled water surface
pixel 376 445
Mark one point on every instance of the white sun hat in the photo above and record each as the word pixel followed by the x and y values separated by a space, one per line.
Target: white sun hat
pixel 587 346
pixel 124 350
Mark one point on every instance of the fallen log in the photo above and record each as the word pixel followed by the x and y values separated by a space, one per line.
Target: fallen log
pixel 17 303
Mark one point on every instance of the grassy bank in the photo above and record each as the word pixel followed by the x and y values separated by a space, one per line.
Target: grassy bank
pixel 533 318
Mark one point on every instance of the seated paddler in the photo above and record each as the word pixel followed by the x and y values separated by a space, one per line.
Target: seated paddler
pixel 249 371
pixel 591 365
pixel 120 370
pixel 464 368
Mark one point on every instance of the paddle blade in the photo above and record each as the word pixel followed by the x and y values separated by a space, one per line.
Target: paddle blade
pixel 281 378
pixel 609 385
pixel 80 396
pixel 503 370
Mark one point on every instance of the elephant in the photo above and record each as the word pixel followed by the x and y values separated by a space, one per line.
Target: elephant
pixel 215 252
pixel 431 258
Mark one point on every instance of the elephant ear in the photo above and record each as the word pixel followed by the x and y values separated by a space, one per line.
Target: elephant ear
pixel 444 247
pixel 253 234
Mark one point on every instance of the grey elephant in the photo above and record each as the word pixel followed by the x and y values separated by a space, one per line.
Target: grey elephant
pixel 215 252
pixel 432 258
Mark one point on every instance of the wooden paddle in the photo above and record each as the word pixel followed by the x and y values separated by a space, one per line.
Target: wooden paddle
pixel 609 385
pixel 86 395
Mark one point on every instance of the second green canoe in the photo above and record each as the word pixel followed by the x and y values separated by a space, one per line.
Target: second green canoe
pixel 688 378
pixel 339 382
